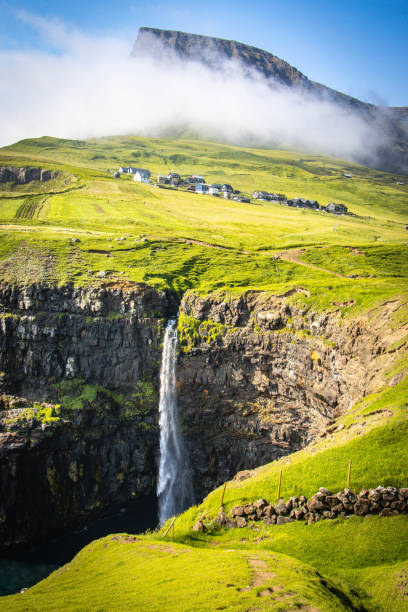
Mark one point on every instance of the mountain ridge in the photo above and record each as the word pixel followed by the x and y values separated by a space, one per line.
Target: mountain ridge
pixel 390 122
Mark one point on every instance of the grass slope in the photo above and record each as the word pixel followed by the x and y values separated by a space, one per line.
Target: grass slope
pixel 195 241
pixel 181 241
pixel 128 573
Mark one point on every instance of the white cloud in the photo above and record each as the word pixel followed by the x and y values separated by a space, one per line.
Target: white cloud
pixel 93 88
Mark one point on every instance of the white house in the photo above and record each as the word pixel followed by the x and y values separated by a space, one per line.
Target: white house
pixel 202 188
pixel 214 191
pixel 142 176
pixel 123 170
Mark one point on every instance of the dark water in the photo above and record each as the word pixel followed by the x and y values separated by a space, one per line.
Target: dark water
pixel 29 567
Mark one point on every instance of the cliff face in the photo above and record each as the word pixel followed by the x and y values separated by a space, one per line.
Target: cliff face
pixel 21 176
pixel 79 433
pixel 392 123
pixel 258 378
pixel 210 50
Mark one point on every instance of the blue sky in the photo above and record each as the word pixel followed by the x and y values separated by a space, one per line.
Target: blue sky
pixel 359 47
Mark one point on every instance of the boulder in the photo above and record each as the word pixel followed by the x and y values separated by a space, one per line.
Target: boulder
pixel 389 512
pixel 362 506
pixel 222 519
pixel 199 526
pixel 298 514
pixel 317 503
pixel 241 521
pixel 324 491
pixel 249 509
pixel 268 511
pixel 261 503
pixel 282 520
pixel 403 493
pixel 329 514
pixel 332 500
pixel 281 509
pixel 374 495
pixel 237 511
pixel 399 505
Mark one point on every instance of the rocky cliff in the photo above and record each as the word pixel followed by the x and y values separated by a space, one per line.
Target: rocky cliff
pixel 258 378
pixel 22 176
pixel 392 123
pixel 78 414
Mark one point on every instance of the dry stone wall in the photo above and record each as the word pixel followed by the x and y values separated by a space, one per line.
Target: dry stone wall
pixel 384 501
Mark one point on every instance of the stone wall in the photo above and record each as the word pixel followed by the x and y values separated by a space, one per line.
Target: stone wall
pixel 384 501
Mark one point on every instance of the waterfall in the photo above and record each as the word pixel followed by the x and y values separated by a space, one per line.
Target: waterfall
pixel 174 487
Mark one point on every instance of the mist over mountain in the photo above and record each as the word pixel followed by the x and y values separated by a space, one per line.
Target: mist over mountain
pixel 384 130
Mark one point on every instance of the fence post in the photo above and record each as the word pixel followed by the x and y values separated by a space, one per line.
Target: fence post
pixel 223 492
pixel 280 482
pixel 170 526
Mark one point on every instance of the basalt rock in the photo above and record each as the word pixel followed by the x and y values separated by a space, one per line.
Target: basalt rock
pixel 78 414
pixel 254 387
pixel 22 176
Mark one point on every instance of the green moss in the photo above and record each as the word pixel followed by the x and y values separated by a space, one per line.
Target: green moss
pixel 192 332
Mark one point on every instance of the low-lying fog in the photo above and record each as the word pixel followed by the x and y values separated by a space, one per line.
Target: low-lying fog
pixel 90 86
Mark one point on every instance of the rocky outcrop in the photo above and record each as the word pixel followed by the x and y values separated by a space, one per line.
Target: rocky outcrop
pixel 22 176
pixel 260 377
pixel 83 434
pixel 107 335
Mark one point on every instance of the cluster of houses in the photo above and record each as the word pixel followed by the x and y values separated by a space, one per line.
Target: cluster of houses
pixel 197 184
pixel 140 174
pixel 332 207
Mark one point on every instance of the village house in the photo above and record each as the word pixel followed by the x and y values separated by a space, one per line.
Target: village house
pixel 194 179
pixel 174 178
pixel 214 190
pixel 123 170
pixel 116 174
pixel 227 188
pixel 202 188
pixel 336 208
pixel 142 175
pixel 162 179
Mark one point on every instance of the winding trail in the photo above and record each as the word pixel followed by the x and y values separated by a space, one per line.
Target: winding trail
pixel 293 257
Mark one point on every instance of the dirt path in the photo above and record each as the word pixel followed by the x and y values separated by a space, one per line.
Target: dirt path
pixel 293 257
pixel 36 228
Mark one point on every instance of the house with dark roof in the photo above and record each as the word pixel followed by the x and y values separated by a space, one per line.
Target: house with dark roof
pixel 336 208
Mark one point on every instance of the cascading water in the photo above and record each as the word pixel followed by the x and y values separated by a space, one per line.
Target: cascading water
pixel 174 487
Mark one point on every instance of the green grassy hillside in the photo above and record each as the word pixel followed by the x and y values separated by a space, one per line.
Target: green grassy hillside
pixel 181 241
pixel 196 241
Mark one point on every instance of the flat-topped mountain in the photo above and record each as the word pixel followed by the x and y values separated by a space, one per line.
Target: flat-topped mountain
pixel 391 122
